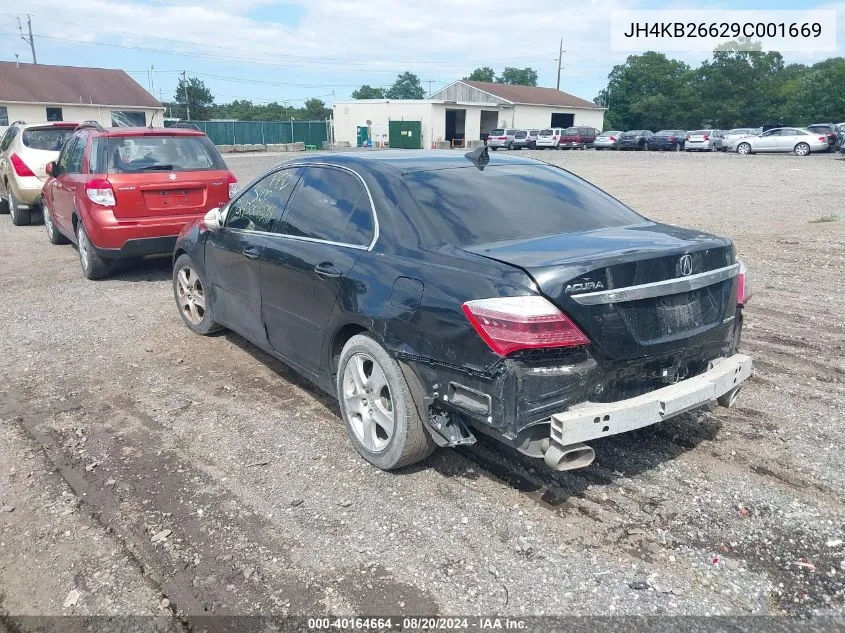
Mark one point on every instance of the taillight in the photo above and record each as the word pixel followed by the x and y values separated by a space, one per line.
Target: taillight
pixel 233 186
pixel 743 292
pixel 671 138
pixel 100 192
pixel 706 137
pixel 508 324
pixel 822 138
pixel 21 168
pixel 612 138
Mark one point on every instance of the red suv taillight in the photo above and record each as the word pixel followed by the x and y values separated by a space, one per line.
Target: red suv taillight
pixel 21 168
pixel 743 292
pixel 233 186
pixel 508 324
pixel 99 191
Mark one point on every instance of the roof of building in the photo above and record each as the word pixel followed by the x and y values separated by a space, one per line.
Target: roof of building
pixel 532 95
pixel 41 83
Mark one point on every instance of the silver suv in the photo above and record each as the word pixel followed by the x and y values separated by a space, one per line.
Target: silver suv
pixel 501 138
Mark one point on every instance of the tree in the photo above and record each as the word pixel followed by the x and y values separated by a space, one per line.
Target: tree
pixel 406 86
pixel 485 73
pixel 650 91
pixel 368 92
pixel 196 96
pixel 518 76
pixel 818 95
pixel 315 109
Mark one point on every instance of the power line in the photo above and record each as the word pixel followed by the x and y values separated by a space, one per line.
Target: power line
pixel 29 40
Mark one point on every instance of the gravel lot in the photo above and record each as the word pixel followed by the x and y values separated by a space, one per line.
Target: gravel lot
pixel 152 471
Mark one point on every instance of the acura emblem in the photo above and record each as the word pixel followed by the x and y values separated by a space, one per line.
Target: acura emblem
pixel 685 265
pixel 172 176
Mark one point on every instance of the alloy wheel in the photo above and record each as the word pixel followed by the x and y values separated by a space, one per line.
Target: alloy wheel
pixel 743 148
pixel 368 402
pixel 48 222
pixel 802 149
pixel 191 295
pixel 84 246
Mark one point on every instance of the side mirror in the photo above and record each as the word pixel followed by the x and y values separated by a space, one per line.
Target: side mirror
pixel 213 220
pixel 51 169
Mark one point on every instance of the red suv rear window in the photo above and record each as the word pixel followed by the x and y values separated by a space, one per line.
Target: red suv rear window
pixel 149 153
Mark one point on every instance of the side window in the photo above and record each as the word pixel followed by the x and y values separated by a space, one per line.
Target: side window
pixel 66 152
pixel 772 133
pixel 8 137
pixel 74 161
pixel 263 203
pixel 332 205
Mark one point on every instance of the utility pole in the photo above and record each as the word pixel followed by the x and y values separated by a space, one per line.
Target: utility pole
pixel 29 40
pixel 187 105
pixel 559 62
pixel 430 81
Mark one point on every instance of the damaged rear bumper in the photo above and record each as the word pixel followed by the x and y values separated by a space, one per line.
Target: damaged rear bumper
pixel 592 420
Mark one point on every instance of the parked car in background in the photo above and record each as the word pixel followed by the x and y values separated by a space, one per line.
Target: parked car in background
pixel 784 139
pixel 607 140
pixel 532 135
pixel 703 141
pixel 335 264
pixel 548 138
pixel 501 138
pixel 841 128
pixel 127 192
pixel 667 140
pixel 521 140
pixel 578 137
pixel 634 139
pixel 830 131
pixel 25 150
pixel 730 137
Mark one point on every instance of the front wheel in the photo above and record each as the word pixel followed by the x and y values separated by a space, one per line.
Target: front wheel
pixel 743 148
pixel 53 233
pixel 93 266
pixel 191 297
pixel 376 405
pixel 802 149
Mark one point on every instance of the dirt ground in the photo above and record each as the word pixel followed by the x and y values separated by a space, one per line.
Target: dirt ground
pixel 147 470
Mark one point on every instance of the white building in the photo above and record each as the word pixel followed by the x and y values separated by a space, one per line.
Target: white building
pixel 40 92
pixel 465 109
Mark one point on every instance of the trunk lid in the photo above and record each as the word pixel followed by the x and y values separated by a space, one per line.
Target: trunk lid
pixel 162 194
pixel 564 266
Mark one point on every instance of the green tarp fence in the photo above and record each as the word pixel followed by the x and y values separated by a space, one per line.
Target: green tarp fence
pixel 261 132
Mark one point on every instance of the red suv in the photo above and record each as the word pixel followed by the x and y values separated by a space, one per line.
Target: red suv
pixel 128 192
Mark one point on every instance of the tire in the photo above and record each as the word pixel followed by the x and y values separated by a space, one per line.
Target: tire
pixel 802 149
pixel 191 299
pixel 53 233
pixel 494 148
pixel 743 148
pixel 510 145
pixel 93 266
pixel 20 217
pixel 4 205
pixel 369 397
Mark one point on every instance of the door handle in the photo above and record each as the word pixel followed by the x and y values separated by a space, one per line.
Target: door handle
pixel 250 252
pixel 327 270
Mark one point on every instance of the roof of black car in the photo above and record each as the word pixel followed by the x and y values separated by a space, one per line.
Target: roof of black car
pixel 411 160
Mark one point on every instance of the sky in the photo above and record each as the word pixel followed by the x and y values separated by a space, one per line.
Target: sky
pixel 294 50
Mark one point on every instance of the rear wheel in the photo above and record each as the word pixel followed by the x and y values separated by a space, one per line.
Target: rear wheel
pixel 510 145
pixel 802 149
pixel 743 148
pixel 93 266
pixel 376 405
pixel 53 233
pixel 20 217
pixel 4 205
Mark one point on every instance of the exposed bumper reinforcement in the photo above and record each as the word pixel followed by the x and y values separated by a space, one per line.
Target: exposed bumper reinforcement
pixel 591 420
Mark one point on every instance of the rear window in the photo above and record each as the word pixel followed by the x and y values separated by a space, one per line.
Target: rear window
pixel 46 138
pixel 633 133
pixel 520 134
pixel 497 132
pixel 546 132
pixel 468 206
pixel 139 154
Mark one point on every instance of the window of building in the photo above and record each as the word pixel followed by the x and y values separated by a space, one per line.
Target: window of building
pixel 128 118
pixel 4 116
pixel 54 114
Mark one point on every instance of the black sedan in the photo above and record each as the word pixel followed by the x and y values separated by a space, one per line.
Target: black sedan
pixel 667 140
pixel 635 139
pixel 441 295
